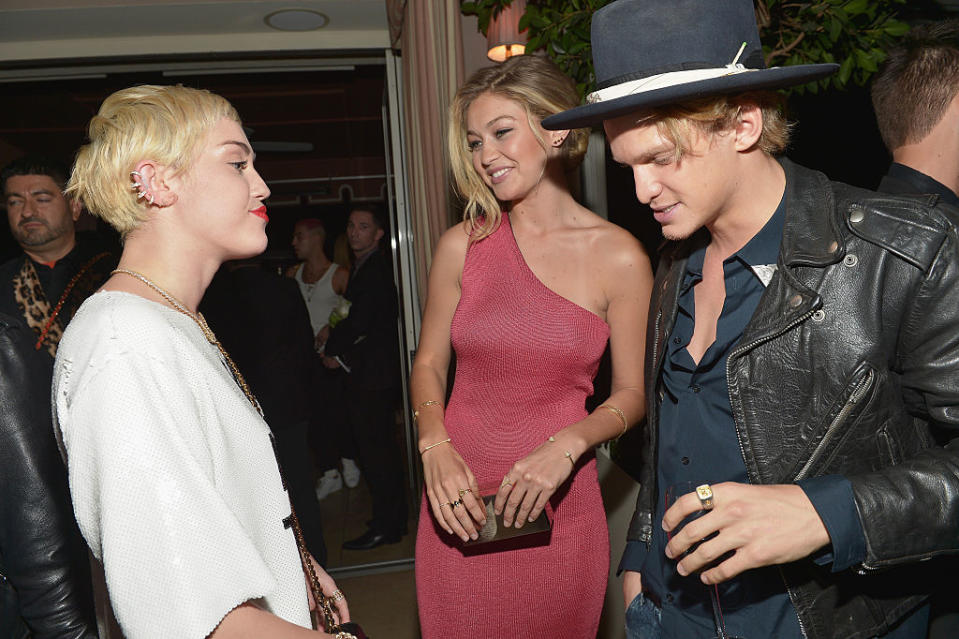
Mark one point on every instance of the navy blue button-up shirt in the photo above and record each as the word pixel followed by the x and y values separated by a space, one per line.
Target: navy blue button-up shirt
pixel 698 443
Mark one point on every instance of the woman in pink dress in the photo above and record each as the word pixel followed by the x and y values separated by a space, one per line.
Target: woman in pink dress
pixel 527 291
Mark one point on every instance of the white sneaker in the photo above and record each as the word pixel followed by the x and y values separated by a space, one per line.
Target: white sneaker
pixel 330 482
pixel 351 473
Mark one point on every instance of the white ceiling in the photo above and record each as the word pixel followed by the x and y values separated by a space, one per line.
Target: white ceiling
pixel 37 30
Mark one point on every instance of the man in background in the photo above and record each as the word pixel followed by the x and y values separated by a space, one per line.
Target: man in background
pixel 916 99
pixel 322 283
pixel 364 346
pixel 45 285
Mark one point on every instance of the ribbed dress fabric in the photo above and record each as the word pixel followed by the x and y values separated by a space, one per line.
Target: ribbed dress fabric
pixel 525 361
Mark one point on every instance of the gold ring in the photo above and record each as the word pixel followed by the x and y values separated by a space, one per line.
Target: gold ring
pixel 338 595
pixel 705 494
pixel 506 482
pixel 464 491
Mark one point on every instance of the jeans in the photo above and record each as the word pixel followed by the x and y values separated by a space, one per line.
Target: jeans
pixel 642 619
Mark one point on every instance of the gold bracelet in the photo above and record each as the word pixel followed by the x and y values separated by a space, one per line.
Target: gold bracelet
pixel 344 635
pixel 429 402
pixel 566 453
pixel 435 445
pixel 622 416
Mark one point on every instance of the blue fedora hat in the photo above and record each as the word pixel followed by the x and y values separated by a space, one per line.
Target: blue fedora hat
pixel 649 53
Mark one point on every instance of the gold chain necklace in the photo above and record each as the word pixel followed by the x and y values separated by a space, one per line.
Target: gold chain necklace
pixel 204 327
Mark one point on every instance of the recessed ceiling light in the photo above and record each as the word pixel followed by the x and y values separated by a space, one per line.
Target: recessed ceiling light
pixel 296 20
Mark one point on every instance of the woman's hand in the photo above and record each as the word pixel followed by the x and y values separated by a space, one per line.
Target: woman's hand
pixel 328 586
pixel 452 491
pixel 531 482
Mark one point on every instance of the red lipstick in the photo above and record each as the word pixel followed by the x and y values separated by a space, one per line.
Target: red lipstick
pixel 261 212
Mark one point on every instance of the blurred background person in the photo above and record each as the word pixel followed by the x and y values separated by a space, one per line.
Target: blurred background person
pixel 364 347
pixel 916 99
pixel 58 268
pixel 262 322
pixel 45 588
pixel 322 284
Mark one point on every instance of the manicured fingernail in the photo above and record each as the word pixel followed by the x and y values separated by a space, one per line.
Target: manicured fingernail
pixel 474 536
pixel 681 570
pixel 530 518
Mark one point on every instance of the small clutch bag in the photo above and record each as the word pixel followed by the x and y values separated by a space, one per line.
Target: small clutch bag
pixel 496 530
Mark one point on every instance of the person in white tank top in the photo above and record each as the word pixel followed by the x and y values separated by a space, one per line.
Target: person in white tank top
pixel 322 283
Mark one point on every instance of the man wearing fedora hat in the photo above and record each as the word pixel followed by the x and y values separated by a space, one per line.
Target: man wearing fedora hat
pixel 802 352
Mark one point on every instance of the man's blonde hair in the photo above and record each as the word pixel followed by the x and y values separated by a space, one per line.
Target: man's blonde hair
pixel 536 84
pixel 715 114
pixel 165 124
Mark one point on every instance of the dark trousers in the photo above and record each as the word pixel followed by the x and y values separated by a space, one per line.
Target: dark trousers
pixel 294 458
pixel 330 438
pixel 370 417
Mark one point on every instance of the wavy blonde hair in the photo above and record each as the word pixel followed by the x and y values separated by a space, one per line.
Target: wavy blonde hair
pixel 166 124
pixel 715 114
pixel 541 88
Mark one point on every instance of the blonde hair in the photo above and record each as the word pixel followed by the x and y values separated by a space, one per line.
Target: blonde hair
pixel 166 124
pixel 716 114
pixel 542 90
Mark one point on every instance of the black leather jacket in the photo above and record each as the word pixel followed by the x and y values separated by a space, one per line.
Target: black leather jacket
pixel 45 590
pixel 849 365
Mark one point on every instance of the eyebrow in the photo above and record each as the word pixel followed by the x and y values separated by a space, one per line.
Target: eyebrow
pixel 33 192
pixel 492 122
pixel 246 149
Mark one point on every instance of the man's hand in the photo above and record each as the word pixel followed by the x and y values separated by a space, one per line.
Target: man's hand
pixel 760 525
pixel 632 586
pixel 330 362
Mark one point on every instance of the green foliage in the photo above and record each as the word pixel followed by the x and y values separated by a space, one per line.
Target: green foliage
pixel 853 33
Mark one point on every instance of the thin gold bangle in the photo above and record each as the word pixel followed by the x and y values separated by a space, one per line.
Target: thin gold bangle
pixel 435 445
pixel 622 416
pixel 429 402
pixel 567 454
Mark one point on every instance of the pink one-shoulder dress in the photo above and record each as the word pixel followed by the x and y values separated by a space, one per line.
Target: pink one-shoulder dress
pixel 525 362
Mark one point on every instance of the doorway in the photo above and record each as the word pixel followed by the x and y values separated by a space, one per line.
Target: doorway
pixel 324 131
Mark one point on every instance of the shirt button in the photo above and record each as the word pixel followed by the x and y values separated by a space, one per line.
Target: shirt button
pixel 677 340
pixel 695 388
pixel 669 598
pixel 685 461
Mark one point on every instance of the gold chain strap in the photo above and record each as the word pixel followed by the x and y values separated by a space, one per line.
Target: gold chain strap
pixel 323 603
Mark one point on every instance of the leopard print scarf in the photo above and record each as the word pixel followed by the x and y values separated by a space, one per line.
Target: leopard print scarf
pixel 45 320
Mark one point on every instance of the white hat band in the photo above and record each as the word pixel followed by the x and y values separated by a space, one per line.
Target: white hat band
pixel 662 81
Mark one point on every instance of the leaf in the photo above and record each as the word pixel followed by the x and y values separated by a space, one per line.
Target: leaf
pixel 854 7
pixel 845 69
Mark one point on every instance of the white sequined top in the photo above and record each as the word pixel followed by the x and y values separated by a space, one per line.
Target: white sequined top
pixel 174 481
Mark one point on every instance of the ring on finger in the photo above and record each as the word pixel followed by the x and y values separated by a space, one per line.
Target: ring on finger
pixel 705 494
pixel 454 504
pixel 506 481
pixel 464 491
pixel 338 595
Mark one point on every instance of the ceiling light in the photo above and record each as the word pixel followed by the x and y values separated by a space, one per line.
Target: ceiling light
pixel 297 20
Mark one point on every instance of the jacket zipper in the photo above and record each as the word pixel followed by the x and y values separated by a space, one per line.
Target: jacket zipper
pixel 751 345
pixel 802 318
pixel 857 394
pixel 802 626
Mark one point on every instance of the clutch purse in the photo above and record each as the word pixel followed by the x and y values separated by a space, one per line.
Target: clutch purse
pixel 496 530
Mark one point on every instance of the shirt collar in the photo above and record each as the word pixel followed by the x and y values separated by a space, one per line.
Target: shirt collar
pixel 761 251
pixel 922 182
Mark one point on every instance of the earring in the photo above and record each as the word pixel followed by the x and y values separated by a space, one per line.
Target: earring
pixel 142 192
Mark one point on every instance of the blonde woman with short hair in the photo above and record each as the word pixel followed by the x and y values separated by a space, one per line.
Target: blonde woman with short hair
pixel 172 470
